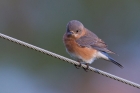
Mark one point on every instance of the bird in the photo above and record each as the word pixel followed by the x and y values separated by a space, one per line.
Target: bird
pixel 85 46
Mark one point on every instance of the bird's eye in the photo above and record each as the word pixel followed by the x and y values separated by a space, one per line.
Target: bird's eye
pixel 77 31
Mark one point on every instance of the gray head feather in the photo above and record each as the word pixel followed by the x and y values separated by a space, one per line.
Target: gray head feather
pixel 74 25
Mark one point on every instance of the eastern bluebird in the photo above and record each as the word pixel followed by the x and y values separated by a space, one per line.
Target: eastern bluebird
pixel 84 45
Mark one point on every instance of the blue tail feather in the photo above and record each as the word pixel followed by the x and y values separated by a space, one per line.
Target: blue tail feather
pixel 112 60
pixel 115 62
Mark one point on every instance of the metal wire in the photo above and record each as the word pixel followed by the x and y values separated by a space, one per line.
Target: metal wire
pixel 69 60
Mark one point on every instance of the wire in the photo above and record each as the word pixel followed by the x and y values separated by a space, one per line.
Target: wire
pixel 69 60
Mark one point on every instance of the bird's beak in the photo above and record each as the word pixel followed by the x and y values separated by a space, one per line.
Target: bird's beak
pixel 70 33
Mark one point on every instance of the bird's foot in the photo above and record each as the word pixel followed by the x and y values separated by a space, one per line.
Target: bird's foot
pixel 78 66
pixel 87 68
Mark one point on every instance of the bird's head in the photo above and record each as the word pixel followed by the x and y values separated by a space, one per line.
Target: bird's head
pixel 74 29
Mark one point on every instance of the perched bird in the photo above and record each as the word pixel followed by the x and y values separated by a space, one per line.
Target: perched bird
pixel 84 45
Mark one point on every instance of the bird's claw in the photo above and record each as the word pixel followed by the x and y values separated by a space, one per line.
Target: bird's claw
pixel 87 68
pixel 78 66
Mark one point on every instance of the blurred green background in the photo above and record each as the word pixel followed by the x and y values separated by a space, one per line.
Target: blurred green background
pixel 43 23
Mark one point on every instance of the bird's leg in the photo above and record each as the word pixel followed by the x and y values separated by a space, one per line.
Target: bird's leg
pixel 78 66
pixel 86 69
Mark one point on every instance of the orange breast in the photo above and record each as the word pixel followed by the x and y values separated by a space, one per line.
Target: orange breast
pixel 84 52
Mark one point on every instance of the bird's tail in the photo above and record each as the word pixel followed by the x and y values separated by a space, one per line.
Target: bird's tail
pixel 115 62
pixel 108 58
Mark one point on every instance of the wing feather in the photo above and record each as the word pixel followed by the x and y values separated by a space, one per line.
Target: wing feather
pixel 92 41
